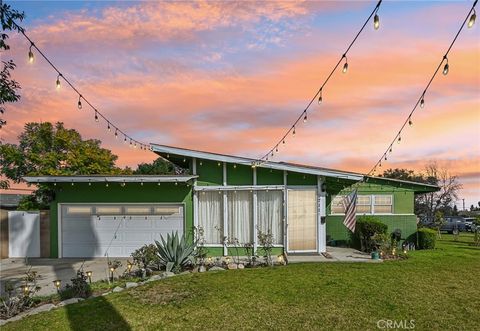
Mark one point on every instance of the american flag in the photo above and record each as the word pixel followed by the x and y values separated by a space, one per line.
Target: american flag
pixel 350 204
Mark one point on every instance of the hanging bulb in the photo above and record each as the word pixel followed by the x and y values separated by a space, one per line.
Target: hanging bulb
pixel 294 130
pixel 445 68
pixel 108 127
pixel 376 22
pixel 390 150
pixel 125 139
pixel 272 153
pixel 399 139
pixel 380 164
pixel 305 118
pixel 31 57
pixel 130 142
pixel 283 141
pixel 96 116
pixel 410 121
pixel 422 102
pixel 471 21
pixel 276 149
pixel 385 156
pixel 135 145
pixel 79 105
pixel 345 66
pixel 116 133
pixel 320 98
pixel 58 81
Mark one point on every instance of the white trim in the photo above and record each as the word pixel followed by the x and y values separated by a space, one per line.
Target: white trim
pixel 59 229
pixel 238 188
pixel 248 161
pixel 225 209
pixel 285 209
pixel 255 213
pixel 321 212
pixel 224 174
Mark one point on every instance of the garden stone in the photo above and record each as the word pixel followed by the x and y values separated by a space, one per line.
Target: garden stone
pixel 117 289
pixel 131 284
pixel 215 268
pixel 241 266
pixel 68 302
pixel 3 322
pixel 106 293
pixel 153 278
pixel 202 268
pixel 167 274
pixel 39 309
pixel 232 266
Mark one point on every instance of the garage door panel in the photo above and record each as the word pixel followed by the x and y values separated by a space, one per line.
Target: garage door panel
pixel 85 234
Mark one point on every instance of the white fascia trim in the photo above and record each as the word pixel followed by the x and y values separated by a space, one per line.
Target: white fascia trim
pixel 248 161
pixel 108 179
pixel 239 188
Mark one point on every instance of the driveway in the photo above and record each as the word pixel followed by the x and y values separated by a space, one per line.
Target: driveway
pixel 53 269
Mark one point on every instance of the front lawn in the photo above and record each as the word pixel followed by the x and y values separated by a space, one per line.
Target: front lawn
pixel 437 290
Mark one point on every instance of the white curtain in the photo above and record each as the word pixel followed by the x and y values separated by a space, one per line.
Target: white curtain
pixel 240 216
pixel 269 214
pixel 210 216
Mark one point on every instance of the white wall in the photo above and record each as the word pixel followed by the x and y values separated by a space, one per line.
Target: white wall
pixel 23 234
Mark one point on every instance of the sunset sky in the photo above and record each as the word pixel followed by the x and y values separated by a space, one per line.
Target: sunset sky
pixel 232 77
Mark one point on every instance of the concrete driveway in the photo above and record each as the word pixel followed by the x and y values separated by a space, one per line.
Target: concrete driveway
pixel 53 269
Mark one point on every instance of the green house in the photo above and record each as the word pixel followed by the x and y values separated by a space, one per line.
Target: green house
pixel 225 196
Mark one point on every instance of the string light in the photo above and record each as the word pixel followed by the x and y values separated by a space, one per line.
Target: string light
pixel 422 101
pixel 57 83
pixel 305 118
pixel 376 21
pixel 471 21
pixel 116 133
pixel 125 139
pixel 445 68
pixel 31 57
pixel 318 97
pixel 345 65
pixel 108 127
pixel 410 121
pixel 79 104
pixel 96 116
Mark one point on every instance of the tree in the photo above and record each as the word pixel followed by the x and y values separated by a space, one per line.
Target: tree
pixel 160 166
pixel 8 86
pixel 428 204
pixel 47 149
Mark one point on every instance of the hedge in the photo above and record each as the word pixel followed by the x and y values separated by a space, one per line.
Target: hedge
pixel 427 238
pixel 365 228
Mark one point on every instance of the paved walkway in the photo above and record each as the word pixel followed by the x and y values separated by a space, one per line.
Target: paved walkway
pixel 334 254
pixel 52 269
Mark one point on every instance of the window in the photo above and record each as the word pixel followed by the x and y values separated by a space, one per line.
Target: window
pixel 138 210
pixel 383 204
pixel 364 204
pixel 111 210
pixel 79 210
pixel 166 210
pixel 210 216
pixel 270 214
pixel 240 216
pixel 337 206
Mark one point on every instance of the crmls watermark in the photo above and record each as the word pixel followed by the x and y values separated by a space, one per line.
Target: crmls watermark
pixel 394 324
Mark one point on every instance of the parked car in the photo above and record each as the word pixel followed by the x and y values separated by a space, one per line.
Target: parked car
pixel 453 223
pixel 470 224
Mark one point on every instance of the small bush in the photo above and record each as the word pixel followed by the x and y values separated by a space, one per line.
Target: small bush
pixel 366 228
pixel 80 288
pixel 427 238
pixel 146 257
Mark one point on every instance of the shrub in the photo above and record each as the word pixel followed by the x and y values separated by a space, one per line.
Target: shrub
pixel 175 253
pixel 80 288
pixel 265 240
pixel 17 300
pixel 146 257
pixel 427 238
pixel 365 229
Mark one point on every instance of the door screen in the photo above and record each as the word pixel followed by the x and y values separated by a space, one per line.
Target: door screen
pixel 302 220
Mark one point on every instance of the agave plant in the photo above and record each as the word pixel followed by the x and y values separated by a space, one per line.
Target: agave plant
pixel 175 253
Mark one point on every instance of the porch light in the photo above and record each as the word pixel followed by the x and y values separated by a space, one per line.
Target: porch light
pixel 57 284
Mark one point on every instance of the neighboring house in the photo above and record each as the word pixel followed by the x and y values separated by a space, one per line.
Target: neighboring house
pixel 9 201
pixel 227 197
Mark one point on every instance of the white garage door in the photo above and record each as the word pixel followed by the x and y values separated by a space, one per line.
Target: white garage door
pixel 91 230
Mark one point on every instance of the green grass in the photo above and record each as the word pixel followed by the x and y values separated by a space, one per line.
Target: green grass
pixel 438 289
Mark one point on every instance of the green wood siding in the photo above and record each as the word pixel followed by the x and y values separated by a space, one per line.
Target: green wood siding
pixel 114 193
pixel 295 178
pixel 239 174
pixel 269 177
pixel 210 173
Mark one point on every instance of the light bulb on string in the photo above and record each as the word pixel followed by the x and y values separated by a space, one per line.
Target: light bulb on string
pixel 385 157
pixel 320 98
pixel 108 127
pixel 390 150
pixel 276 148
pixel 116 133
pixel 399 139
pixel 376 21
pixel 135 145
pixel 410 122
pixel 79 104
pixel 471 21
pixel 130 142
pixel 293 130
pixel 96 116
pixel 345 66
pixel 57 83
pixel 31 57
pixel 422 102
pixel 283 141
pixel 446 67
pixel 125 139
pixel 305 118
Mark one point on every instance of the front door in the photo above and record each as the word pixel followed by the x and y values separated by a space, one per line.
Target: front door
pixel 302 220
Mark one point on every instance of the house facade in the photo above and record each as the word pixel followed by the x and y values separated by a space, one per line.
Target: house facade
pixel 225 196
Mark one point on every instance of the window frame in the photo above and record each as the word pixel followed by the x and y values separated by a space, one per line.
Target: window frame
pixel 372 205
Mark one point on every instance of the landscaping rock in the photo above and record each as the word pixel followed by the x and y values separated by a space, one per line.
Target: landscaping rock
pixel 167 274
pixel 154 278
pixel 232 266
pixel 131 284
pixel 186 272
pixel 241 266
pixel 69 302
pixel 202 268
pixel 118 289
pixel 106 293
pixel 39 309
pixel 3 322
pixel 215 268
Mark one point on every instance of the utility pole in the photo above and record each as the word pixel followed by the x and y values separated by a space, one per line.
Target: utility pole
pixel 463 204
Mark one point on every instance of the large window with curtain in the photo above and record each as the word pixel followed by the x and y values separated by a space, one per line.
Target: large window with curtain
pixel 210 216
pixel 240 216
pixel 270 214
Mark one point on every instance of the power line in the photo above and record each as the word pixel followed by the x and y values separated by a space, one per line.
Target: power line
pixel 304 114
pixel 421 100
pixel 97 114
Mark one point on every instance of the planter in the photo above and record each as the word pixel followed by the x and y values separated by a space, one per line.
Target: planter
pixel 375 255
